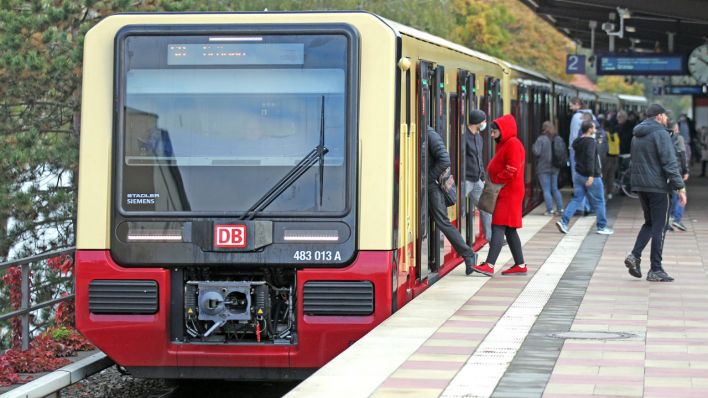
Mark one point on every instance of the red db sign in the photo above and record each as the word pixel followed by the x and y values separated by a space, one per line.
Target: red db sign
pixel 230 236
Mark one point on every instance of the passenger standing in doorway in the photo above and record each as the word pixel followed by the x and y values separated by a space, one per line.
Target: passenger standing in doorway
pixel 588 180
pixel 474 171
pixel 438 162
pixel 506 167
pixel 654 175
pixel 549 149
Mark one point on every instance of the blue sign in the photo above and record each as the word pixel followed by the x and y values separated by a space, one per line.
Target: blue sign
pixel 641 64
pixel 575 64
pixel 685 90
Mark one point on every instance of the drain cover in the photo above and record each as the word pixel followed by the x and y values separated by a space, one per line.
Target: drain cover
pixel 593 335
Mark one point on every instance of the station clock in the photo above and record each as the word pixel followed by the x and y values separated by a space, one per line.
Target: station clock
pixel 698 63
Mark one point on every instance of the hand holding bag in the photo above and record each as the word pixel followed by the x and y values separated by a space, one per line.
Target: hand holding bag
pixel 488 200
pixel 447 185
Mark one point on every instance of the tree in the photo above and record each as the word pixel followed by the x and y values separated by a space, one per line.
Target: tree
pixel 618 85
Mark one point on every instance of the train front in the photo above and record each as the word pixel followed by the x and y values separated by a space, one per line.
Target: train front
pixel 225 244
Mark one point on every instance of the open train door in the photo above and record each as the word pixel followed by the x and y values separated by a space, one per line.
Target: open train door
pixel 424 104
pixel 439 118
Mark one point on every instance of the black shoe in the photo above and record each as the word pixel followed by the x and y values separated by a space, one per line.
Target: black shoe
pixel 632 264
pixel 659 276
pixel 469 263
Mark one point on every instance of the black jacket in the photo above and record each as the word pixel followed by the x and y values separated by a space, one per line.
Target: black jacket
pixel 439 159
pixel 680 147
pixel 587 163
pixel 654 167
pixel 474 165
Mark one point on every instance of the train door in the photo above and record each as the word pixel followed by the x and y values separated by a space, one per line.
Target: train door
pixel 439 118
pixel 423 99
pixel 467 87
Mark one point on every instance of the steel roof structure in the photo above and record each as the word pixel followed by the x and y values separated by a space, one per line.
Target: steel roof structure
pixel 645 29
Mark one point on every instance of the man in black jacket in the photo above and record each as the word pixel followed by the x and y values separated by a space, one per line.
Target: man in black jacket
pixel 474 171
pixel 438 161
pixel 654 175
pixel 587 180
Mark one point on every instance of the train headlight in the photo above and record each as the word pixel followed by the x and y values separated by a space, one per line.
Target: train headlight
pixel 304 235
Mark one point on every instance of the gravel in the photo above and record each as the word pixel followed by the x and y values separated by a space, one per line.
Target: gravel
pixel 113 384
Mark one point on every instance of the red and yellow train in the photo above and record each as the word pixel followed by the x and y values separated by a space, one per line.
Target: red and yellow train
pixel 251 197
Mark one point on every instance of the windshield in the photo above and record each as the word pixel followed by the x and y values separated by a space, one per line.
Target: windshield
pixel 210 127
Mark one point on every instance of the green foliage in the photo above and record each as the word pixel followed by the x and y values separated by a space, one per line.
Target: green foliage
pixel 60 334
pixel 618 85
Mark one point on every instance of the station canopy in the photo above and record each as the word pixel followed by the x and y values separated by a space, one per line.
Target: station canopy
pixel 646 22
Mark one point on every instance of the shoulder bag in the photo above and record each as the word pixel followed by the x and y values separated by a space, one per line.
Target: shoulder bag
pixel 448 188
pixel 488 200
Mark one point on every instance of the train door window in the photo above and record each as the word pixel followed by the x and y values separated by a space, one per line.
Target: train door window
pixel 424 118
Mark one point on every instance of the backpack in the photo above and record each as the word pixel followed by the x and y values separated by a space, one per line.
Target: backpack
pixel 558 159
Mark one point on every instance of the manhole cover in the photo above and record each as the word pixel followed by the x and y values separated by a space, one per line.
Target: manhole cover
pixel 593 335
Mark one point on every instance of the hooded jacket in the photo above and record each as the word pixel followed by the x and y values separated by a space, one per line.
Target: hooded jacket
pixel 507 167
pixel 654 167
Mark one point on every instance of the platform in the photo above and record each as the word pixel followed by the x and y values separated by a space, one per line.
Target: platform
pixel 577 325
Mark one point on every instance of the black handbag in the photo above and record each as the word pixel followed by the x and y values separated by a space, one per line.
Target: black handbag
pixel 488 200
pixel 447 185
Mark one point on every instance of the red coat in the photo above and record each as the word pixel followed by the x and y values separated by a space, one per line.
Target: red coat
pixel 507 167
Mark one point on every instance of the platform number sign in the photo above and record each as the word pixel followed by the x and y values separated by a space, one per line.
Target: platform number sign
pixel 229 236
pixel 575 64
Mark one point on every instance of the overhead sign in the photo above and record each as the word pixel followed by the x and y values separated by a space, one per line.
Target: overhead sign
pixel 575 64
pixel 686 90
pixel 641 64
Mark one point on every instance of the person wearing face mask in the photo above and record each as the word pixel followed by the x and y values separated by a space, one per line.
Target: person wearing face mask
pixel 474 172
pixel 654 174
pixel 506 167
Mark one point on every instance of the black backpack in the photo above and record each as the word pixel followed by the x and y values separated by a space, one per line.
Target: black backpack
pixel 558 158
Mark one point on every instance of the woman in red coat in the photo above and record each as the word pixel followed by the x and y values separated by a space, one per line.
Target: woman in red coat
pixel 506 167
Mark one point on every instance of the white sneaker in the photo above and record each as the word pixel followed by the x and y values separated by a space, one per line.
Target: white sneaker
pixel 605 231
pixel 609 196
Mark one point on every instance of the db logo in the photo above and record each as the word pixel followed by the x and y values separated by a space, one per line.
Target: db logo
pixel 230 236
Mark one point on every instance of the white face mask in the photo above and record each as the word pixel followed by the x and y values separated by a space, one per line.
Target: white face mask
pixel 483 126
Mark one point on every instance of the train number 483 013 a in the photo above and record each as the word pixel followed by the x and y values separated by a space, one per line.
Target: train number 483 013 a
pixel 317 255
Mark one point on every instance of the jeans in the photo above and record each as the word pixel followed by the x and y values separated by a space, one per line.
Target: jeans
pixel 584 204
pixel 676 208
pixel 474 188
pixel 495 245
pixel 656 214
pixel 609 170
pixel 596 195
pixel 549 184
pixel 438 211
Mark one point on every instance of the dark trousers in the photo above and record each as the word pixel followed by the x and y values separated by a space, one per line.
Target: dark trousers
pixel 438 211
pixel 512 238
pixel 656 215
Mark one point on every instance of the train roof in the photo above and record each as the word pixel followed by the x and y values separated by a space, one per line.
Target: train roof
pixel 419 34
pixel 640 99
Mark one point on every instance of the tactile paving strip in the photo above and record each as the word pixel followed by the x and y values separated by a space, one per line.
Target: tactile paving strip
pixel 487 365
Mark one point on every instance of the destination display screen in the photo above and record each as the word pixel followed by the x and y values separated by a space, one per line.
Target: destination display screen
pixel 634 64
pixel 236 54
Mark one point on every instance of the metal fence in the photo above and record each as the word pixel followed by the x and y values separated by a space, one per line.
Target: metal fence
pixel 26 306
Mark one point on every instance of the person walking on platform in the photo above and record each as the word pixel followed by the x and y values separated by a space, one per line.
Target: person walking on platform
pixel 474 171
pixel 676 210
pixel 580 115
pixel 506 167
pixel 654 174
pixel 587 181
pixel 549 149
pixel 703 144
pixel 438 162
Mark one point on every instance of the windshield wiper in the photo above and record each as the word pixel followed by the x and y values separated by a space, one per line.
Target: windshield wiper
pixel 316 154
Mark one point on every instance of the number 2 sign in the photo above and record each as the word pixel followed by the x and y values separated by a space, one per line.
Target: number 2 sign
pixel 575 64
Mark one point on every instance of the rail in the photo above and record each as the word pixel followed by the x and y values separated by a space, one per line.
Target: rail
pixel 26 307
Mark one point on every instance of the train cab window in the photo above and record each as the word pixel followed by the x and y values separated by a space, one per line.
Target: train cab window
pixel 208 124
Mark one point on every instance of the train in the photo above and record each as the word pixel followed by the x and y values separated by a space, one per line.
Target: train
pixel 252 185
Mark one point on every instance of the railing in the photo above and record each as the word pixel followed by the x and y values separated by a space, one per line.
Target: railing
pixel 26 307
